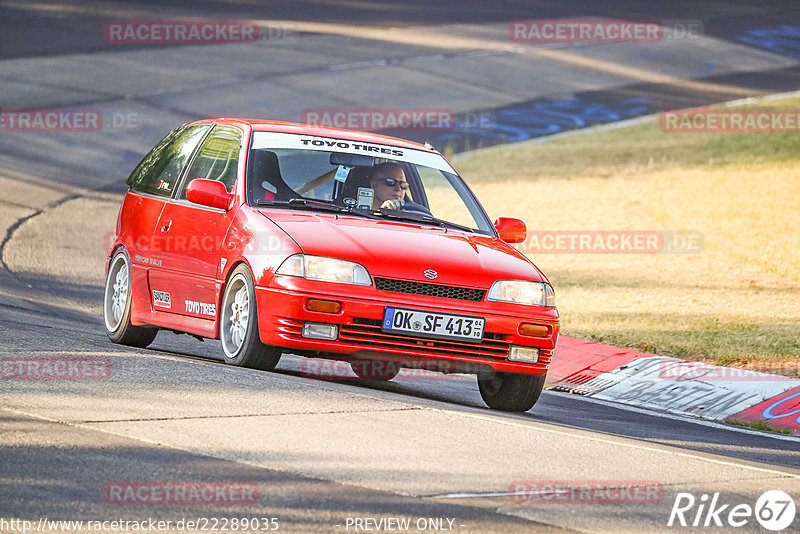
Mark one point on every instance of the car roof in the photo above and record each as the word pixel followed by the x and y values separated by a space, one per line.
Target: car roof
pixel 260 125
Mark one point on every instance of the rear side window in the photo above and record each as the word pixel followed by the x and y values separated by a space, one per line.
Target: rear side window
pixel 159 171
pixel 217 159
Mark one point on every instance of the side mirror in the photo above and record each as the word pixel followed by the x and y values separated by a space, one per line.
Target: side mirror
pixel 209 193
pixel 511 230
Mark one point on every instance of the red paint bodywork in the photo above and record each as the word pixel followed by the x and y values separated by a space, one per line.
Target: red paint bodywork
pixel 189 250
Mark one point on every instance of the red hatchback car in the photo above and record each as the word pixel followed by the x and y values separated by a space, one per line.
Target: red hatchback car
pixel 277 237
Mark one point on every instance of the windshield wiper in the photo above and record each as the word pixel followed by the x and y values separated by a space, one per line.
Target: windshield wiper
pixel 312 204
pixel 423 218
pixel 301 203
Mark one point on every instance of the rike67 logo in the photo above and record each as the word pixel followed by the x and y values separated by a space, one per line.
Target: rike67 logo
pixel 774 510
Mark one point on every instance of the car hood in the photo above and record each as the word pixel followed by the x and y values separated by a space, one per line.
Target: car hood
pixel 403 250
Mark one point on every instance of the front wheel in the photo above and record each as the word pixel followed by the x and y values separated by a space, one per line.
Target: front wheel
pixel 239 325
pixel 117 306
pixel 510 392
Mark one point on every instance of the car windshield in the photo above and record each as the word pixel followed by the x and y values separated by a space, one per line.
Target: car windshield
pixel 364 179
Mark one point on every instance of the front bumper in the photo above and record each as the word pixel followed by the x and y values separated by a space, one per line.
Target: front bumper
pixel 282 312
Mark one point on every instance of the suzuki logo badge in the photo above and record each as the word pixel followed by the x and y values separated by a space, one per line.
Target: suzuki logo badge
pixel 430 274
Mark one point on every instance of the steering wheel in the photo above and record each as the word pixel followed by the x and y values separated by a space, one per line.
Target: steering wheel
pixel 410 205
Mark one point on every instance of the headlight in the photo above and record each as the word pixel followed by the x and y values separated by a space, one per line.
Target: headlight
pixel 523 292
pixel 328 269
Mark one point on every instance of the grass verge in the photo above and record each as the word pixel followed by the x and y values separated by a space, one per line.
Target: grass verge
pixel 758 425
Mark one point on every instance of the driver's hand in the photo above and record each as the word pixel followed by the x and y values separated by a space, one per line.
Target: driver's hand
pixel 393 204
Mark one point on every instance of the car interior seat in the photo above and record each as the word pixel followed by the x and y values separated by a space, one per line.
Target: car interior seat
pixel 265 173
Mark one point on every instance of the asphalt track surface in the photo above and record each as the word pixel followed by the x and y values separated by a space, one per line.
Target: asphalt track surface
pixel 319 451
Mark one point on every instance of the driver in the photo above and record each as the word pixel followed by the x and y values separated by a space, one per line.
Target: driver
pixel 390 186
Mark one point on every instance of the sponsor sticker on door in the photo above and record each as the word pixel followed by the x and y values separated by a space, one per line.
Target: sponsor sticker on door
pixel 162 299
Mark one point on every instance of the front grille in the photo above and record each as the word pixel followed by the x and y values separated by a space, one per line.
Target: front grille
pixel 429 290
pixel 371 334
pixel 367 333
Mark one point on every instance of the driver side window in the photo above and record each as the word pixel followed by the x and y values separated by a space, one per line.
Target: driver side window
pixel 217 159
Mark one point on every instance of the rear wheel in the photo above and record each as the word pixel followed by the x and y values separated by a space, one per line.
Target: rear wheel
pixel 510 392
pixel 117 306
pixel 375 369
pixel 239 325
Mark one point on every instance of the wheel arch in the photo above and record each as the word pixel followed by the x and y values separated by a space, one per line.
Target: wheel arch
pixel 223 285
pixel 113 252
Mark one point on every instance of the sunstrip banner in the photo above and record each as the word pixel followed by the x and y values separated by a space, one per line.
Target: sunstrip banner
pixel 273 140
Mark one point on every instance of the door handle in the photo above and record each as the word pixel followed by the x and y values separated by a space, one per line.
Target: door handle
pixel 166 227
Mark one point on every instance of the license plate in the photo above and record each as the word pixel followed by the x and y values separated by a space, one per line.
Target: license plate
pixel 433 325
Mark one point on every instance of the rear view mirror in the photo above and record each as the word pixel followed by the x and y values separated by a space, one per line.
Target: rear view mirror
pixel 209 193
pixel 351 160
pixel 511 230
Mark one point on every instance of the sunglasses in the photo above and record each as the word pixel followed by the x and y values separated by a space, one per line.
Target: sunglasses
pixel 391 182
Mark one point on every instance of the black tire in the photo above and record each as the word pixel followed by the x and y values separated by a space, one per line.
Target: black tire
pixel 375 369
pixel 117 306
pixel 241 344
pixel 510 392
